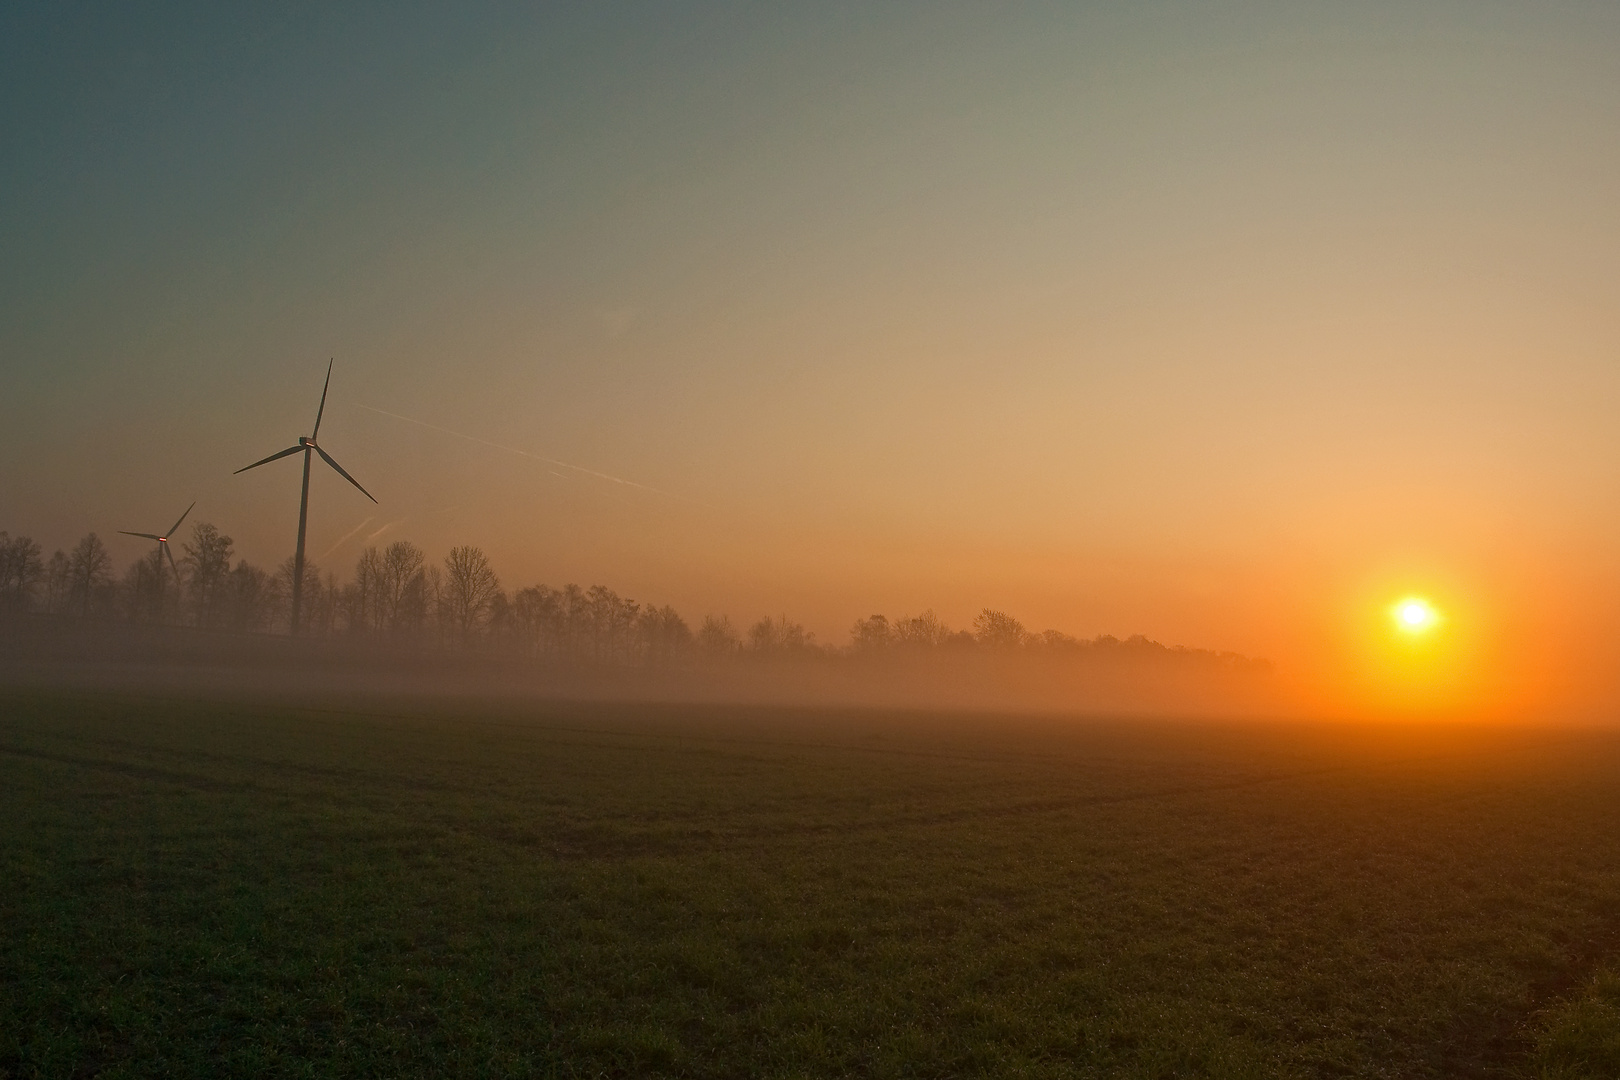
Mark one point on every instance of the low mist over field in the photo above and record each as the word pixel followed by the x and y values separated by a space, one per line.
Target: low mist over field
pixel 403 624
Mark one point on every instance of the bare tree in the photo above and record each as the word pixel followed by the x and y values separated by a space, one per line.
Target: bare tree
pixel 20 571
pixel 778 635
pixel 921 631
pixel 250 598
pixel 89 571
pixel 998 630
pixel 352 604
pixel 370 583
pixel 664 635
pixel 575 621
pixel 283 584
pixel 470 587
pixel 58 582
pixel 1057 640
pixel 410 616
pixel 536 619
pixel 208 556
pixel 435 611
pixel 611 619
pixel 142 591
pixel 499 622
pixel 872 634
pixel 323 604
pixel 401 585
pixel 718 637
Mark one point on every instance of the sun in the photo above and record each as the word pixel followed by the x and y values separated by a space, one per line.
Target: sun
pixel 1415 615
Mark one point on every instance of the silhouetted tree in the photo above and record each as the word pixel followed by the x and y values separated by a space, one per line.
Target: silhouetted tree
pixel 283 583
pixel 998 630
pixel 664 635
pixel 1057 641
pixel 89 572
pixel 572 629
pixel 251 598
pixel 351 606
pixel 365 599
pixel 610 619
pixel 141 592
pixel 20 571
pixel 410 616
pixel 717 637
pixel 536 615
pixel 469 588
pixel 436 613
pixel 921 631
pixel 778 635
pixel 208 556
pixel 324 606
pixel 58 582
pixel 871 634
pixel 498 621
pixel 401 596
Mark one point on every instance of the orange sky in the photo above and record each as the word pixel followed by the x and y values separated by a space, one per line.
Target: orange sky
pixel 1226 328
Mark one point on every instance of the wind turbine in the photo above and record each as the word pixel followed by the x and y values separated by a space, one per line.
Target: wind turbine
pixel 163 547
pixel 306 444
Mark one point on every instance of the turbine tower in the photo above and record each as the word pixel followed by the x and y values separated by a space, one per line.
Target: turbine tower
pixel 306 444
pixel 163 548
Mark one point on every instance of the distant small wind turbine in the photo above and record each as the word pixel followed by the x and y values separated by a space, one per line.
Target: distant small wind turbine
pixel 306 445
pixel 163 547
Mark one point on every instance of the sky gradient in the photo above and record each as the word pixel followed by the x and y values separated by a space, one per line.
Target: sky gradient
pixel 1226 324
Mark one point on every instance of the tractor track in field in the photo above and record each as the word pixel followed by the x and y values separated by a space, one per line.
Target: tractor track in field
pixel 584 845
pixel 259 769
pixel 1497 1047
pixel 612 838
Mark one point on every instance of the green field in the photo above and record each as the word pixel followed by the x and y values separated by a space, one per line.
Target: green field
pixel 207 889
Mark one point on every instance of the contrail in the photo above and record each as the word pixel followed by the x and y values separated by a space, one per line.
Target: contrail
pixel 384 529
pixel 347 536
pixel 523 453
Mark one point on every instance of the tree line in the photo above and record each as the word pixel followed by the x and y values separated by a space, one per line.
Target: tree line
pixel 395 593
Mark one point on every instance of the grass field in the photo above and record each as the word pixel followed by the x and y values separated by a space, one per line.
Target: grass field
pixel 211 889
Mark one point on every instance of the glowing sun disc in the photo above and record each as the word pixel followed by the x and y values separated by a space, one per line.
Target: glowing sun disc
pixel 1415 615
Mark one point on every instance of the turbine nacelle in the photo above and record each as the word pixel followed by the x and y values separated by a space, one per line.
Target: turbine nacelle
pixel 306 443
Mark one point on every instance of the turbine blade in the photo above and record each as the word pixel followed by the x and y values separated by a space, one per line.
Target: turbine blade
pixel 328 459
pixel 176 527
pixel 143 536
pixel 266 461
pixel 167 551
pixel 316 433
